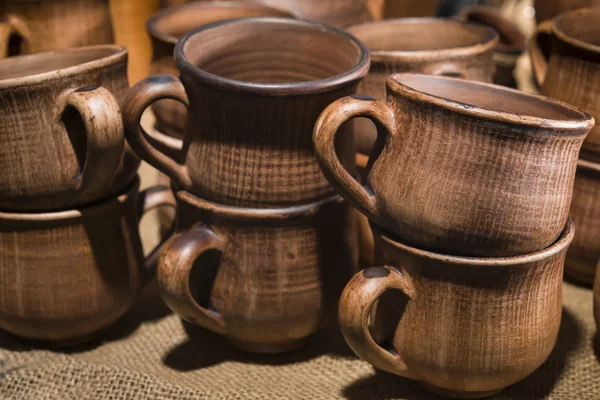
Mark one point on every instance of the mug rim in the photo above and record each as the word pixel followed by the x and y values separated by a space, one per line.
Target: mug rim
pixel 165 37
pixel 586 121
pixel 480 47
pixel 560 244
pixel 562 35
pixel 75 212
pixel 119 54
pixel 312 87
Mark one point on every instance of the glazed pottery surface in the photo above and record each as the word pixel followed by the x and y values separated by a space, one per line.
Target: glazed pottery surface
pixel 464 327
pixel 67 275
pixel 266 279
pixel 570 71
pixel 584 253
pixel 61 129
pixel 254 88
pixel 31 26
pixel 167 26
pixel 548 9
pixel 461 167
pixel 424 45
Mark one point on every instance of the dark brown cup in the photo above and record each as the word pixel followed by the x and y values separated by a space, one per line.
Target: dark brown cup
pixel 66 275
pixel 61 129
pixel 584 253
pixel 254 88
pixel 266 279
pixel 424 45
pixel 571 70
pixel 167 26
pixel 461 167
pixel 463 327
pixel 32 26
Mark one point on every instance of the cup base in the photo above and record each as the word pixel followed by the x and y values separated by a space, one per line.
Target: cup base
pixel 456 394
pixel 266 348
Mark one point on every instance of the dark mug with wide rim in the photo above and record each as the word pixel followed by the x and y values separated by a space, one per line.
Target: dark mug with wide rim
pixel 462 167
pixel 434 46
pixel 254 88
pixel 61 129
pixel 568 68
pixel 32 26
pixel 266 279
pixel 66 275
pixel 167 26
pixel 464 327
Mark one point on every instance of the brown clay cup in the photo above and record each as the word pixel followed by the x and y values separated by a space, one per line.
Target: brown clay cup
pixel 548 9
pixel 67 275
pixel 266 279
pixel 570 70
pixel 254 88
pixel 464 327
pixel 584 253
pixel 32 26
pixel 167 26
pixel 423 45
pixel 61 129
pixel 461 167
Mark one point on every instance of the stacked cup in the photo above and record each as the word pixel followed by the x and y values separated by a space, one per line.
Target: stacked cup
pixel 264 245
pixel 468 195
pixel 70 256
pixel 570 71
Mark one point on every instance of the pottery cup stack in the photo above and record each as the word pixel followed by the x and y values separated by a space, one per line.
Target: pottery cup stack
pixel 264 244
pixel 566 64
pixel 471 229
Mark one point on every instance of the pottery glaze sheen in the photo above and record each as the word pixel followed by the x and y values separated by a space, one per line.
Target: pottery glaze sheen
pixel 448 312
pixel 247 141
pixel 167 26
pixel 461 167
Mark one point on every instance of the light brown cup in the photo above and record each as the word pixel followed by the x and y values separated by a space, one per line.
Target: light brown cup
pixel 167 26
pixel 266 279
pixel 32 26
pixel 61 129
pixel 568 68
pixel 435 46
pixel 463 327
pixel 584 253
pixel 461 167
pixel 69 274
pixel 254 88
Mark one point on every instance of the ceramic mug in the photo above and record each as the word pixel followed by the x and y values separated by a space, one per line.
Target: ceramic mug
pixel 254 88
pixel 464 327
pixel 266 279
pixel 584 253
pixel 32 26
pixel 66 275
pixel 571 70
pixel 167 26
pixel 62 129
pixel 461 167
pixel 424 45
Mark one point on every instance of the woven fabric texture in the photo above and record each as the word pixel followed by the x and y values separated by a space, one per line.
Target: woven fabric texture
pixel 151 354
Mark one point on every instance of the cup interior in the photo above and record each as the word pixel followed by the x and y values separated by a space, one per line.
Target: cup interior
pixel 272 51
pixel 581 25
pixel 35 64
pixel 426 34
pixel 471 95
pixel 174 22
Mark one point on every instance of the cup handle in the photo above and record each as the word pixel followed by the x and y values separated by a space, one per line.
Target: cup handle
pixel 355 305
pixel 325 130
pixel 10 26
pixel 539 60
pixel 174 268
pixel 149 199
pixel 105 143
pixel 154 151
